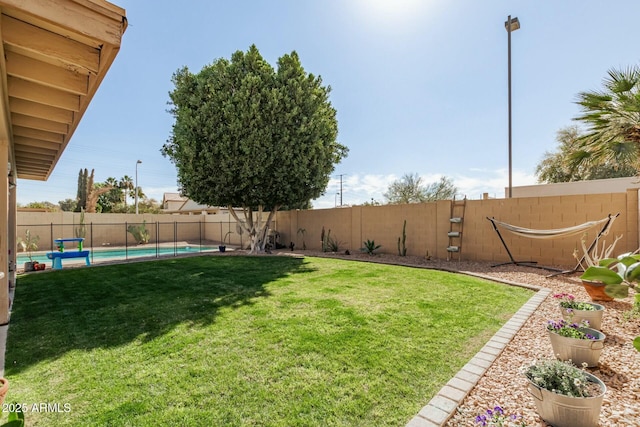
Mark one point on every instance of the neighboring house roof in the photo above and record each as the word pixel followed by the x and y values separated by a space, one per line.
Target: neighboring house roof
pixel 172 197
pixel 53 57
pixel 174 203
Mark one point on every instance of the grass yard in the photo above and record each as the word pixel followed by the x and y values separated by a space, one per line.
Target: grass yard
pixel 244 341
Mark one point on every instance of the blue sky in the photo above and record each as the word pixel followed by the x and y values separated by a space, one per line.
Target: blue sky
pixel 420 86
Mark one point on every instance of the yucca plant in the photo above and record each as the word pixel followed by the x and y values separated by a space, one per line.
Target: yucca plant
pixel 370 246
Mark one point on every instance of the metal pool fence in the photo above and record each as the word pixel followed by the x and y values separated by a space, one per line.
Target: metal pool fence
pixel 162 238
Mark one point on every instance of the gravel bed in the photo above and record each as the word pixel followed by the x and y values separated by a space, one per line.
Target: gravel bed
pixel 503 384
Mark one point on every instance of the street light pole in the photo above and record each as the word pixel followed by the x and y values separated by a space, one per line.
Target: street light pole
pixel 510 25
pixel 137 163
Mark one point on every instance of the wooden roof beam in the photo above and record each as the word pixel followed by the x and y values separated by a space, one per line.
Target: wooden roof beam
pixel 35 42
pixel 37 143
pixel 42 135
pixel 37 123
pixel 23 89
pixel 46 112
pixel 98 21
pixel 30 156
pixel 46 74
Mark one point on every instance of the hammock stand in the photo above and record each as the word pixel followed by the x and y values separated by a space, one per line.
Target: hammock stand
pixel 549 234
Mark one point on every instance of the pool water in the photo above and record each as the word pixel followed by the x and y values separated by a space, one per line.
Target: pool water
pixel 115 254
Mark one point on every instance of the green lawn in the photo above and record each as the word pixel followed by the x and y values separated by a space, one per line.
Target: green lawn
pixel 244 341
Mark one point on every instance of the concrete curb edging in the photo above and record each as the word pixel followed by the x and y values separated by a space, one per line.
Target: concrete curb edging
pixel 442 407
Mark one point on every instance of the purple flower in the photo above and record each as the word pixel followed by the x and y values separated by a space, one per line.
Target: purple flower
pixel 482 420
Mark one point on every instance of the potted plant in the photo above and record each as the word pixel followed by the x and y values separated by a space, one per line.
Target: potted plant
pixel 223 247
pixel 577 311
pixel 612 276
pixel 4 388
pixel 303 231
pixel 564 395
pixel 608 277
pixel 575 342
pixel 28 245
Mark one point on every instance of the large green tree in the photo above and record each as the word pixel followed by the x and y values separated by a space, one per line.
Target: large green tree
pixel 613 118
pixel 559 165
pixel 246 135
pixel 411 189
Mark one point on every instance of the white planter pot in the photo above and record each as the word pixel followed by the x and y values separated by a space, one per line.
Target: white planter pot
pixel 564 411
pixel 577 316
pixel 579 351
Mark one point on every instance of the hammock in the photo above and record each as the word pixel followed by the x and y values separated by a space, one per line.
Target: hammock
pixel 551 234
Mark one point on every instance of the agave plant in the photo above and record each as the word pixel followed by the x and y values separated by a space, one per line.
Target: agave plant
pixel 370 246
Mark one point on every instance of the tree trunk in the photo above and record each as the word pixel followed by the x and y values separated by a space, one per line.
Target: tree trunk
pixel 257 230
pixel 92 198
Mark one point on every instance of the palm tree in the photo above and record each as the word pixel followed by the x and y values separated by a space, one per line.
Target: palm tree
pixel 126 183
pixel 558 166
pixel 613 117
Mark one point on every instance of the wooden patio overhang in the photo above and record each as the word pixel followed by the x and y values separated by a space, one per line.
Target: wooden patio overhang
pixel 54 54
pixel 53 57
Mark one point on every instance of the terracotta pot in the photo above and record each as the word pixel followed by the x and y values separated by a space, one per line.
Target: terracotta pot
pixel 4 388
pixel 596 291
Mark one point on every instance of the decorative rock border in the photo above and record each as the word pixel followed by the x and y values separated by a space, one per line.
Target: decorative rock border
pixel 443 405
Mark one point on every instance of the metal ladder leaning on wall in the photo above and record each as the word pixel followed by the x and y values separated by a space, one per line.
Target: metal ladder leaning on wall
pixel 456 225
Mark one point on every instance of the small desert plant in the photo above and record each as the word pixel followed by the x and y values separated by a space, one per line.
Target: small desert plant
pixel 29 243
pixel 140 232
pixel 599 252
pixel 370 247
pixel 81 231
pixel 403 251
pixel 329 244
pixel 302 231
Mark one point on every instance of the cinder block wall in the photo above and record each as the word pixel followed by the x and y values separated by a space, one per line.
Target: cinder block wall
pixel 428 224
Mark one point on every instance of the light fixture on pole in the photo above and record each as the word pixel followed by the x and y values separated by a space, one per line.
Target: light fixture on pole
pixel 137 163
pixel 511 24
pixel 335 200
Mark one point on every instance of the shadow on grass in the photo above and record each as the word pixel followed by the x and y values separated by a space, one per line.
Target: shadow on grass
pixel 112 305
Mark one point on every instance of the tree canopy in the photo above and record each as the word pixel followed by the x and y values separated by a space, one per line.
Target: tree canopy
pixel 246 135
pixel 559 166
pixel 410 189
pixel 613 118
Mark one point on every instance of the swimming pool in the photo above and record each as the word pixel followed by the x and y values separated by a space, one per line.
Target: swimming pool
pixel 98 255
